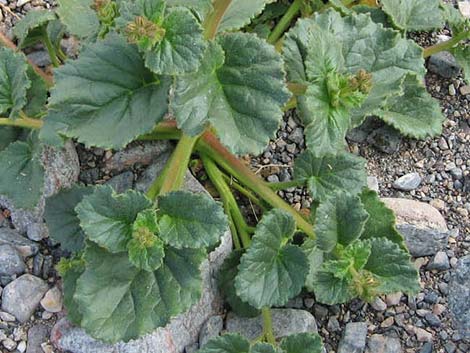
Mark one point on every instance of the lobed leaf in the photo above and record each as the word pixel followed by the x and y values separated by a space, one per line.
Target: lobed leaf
pixel 315 260
pixel 36 96
pixel 414 15
pixel 229 343
pixel 33 24
pixel 114 109
pixel 462 55
pixel 239 13
pixel 261 347
pixel 79 17
pixel 240 96
pixel 70 271
pixel 302 343
pixel 271 271
pixel 327 175
pixel 8 134
pixel 200 7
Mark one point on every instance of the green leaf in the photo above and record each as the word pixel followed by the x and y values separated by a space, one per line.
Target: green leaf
pixel 415 113
pixel 242 97
pixel 226 282
pixel 377 15
pixel 79 17
pixel 200 7
pixel 22 176
pixel 70 270
pixel 8 134
pixel 272 271
pixel 391 266
pixel 414 15
pixel 339 220
pixel 302 343
pixel 107 218
pixel 240 12
pixel 14 82
pixel 327 175
pixel 113 110
pixel 52 129
pixel 120 302
pixel 200 225
pixel 330 289
pixel 36 96
pixel 315 260
pixel 261 347
pixel 62 220
pixel 146 250
pixel 229 343
pixel 34 21
pixel 462 55
pixel 381 221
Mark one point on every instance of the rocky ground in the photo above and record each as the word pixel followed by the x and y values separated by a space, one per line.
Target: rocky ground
pixel 435 173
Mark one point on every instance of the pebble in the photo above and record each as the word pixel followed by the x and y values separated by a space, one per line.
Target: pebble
pixel 440 262
pixel 37 334
pixel 24 246
pixel 459 294
pixel 426 348
pixel 354 338
pixel 389 321
pixel 11 263
pixel 444 64
pixel 378 304
pixel 373 183
pixel 52 301
pixel 386 139
pixel 21 347
pixel 333 324
pixel 432 320
pixel 393 299
pixel 122 182
pixel 22 296
pixel 465 90
pixel 422 335
pixel 7 317
pixel 452 91
pixel 383 344
pixel 408 182
pixel 9 344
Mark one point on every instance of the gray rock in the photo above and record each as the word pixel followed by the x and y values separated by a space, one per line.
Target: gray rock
pixel 408 182
pixel 426 348
pixel 37 335
pixel 440 262
pixel 373 183
pixel 211 328
pixel 297 136
pixel 22 296
pixel 122 182
pixel 354 338
pixel 193 348
pixel 23 245
pixel 459 294
pixel 285 322
pixel 379 305
pixel 61 171
pixel 360 133
pixel 11 262
pixel 423 241
pixel 444 64
pixel 40 58
pixel 386 139
pixel 383 344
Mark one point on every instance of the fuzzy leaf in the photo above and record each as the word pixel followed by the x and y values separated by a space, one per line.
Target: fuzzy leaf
pixel 22 176
pixel 226 282
pixel 261 347
pixel 200 225
pixel 315 260
pixel 377 15
pixel 229 343
pixel 62 220
pixel 70 271
pixel 330 289
pixel 107 218
pixel 36 96
pixel 339 220
pixel 462 55
pixel 241 97
pixel 8 134
pixel 120 302
pixel 239 13
pixel 381 221
pixel 392 267
pixel 200 7
pixel 34 21
pixel 272 271
pixel 415 113
pixel 79 17
pixel 414 15
pixel 14 82
pixel 302 343
pixel 113 109
pixel 327 175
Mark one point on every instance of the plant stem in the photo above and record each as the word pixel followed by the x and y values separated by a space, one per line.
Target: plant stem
pixel 172 177
pixel 286 185
pixel 50 49
pixel 268 326
pixel 230 204
pixel 24 122
pixel 243 191
pixel 285 21
pixel 164 131
pixel 212 22
pixel 434 49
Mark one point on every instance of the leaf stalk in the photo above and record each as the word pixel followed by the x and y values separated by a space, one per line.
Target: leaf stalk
pixel 23 122
pixel 268 326
pixel 443 46
pixel 285 21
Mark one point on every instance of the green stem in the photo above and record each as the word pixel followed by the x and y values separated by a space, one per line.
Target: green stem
pixel 434 49
pixel 172 177
pixel 286 185
pixel 61 55
pixel 245 192
pixel 230 204
pixel 268 326
pixel 212 22
pixel 24 122
pixel 50 49
pixel 285 21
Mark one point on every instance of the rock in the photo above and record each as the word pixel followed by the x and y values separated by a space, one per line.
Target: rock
pixel 20 3
pixel 37 334
pixel 440 262
pixel 211 329
pixel 427 348
pixel 386 139
pixel 52 301
pixel 285 322
pixel 379 305
pixel 143 154
pixel 193 348
pixel 423 227
pixel 465 90
pixel 408 182
pixel 354 338
pixel 61 171
pixel 181 332
pixel 7 317
pixel 22 296
pixel 9 344
pixel 373 183
pixel 122 182
pixel 11 262
pixel 23 245
pixel 422 335
pixel 432 320
pixel 444 64
pixel 333 324
pixel 40 57
pixel 21 347
pixel 393 299
pixel 459 294
pixel 360 133
pixel 297 136
pixel 383 344
pixel 464 7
